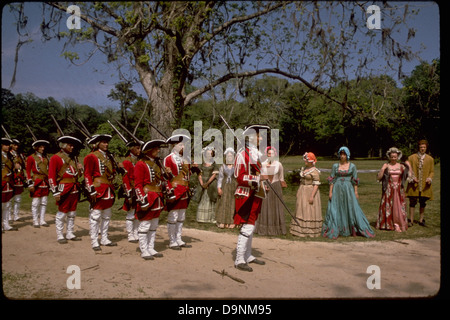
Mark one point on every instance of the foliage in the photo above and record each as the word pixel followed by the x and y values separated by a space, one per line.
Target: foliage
pixel 378 115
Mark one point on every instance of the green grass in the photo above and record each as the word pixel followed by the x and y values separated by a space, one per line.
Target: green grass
pixel 369 198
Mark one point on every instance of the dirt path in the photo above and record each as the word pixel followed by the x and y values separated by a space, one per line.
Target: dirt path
pixel 34 266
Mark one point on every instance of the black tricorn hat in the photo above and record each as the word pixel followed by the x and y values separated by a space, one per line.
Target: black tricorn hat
pixel 177 138
pixel 153 144
pixel 6 141
pixel 99 137
pixel 40 143
pixel 69 139
pixel 255 128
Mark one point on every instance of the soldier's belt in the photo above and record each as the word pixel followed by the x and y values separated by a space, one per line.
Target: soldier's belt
pixel 68 180
pixel 180 182
pixel 99 180
pixel 151 188
pixel 39 176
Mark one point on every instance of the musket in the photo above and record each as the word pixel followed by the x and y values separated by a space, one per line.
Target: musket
pixel 156 128
pixel 266 181
pixel 6 132
pixel 32 134
pixel 118 132
pixel 128 131
pixel 61 133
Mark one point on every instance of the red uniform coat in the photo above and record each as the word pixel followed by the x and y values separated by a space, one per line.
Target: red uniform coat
pixel 180 183
pixel 19 175
pixel 148 190
pixel 98 175
pixel 247 203
pixel 64 184
pixel 128 182
pixel 7 177
pixel 37 175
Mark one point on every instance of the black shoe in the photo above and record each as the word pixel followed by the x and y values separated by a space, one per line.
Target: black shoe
pixel 75 239
pixel 158 255
pixel 62 241
pixel 97 248
pixel 186 246
pixel 111 244
pixel 148 258
pixel 422 223
pixel 410 223
pixel 175 247
pixel 260 262
pixel 243 267
pixel 13 229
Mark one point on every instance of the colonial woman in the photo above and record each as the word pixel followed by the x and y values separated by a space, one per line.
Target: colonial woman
pixel 206 193
pixel 226 186
pixel 308 206
pixel 344 215
pixel 271 220
pixel 392 210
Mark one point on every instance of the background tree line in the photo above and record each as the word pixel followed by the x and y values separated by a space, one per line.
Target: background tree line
pixel 379 114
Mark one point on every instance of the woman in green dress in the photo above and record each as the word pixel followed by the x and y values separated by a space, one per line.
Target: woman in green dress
pixel 344 215
pixel 206 193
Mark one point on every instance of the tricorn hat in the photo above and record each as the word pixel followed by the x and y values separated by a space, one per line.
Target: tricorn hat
pixel 134 143
pixel 177 138
pixel 99 137
pixel 6 141
pixel 69 139
pixel 254 128
pixel 153 144
pixel 40 143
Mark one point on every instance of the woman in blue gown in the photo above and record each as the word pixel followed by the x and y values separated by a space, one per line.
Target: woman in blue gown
pixel 344 215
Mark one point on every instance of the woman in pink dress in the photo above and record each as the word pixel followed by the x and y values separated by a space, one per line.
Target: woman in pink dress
pixel 392 210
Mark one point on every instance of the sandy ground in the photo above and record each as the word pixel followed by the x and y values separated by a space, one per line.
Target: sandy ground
pixel 35 266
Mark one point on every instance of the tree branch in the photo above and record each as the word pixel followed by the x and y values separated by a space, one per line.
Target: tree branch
pixel 247 74
pixel 92 22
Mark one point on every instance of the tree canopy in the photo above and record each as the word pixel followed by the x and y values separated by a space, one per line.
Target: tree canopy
pixel 172 46
pixel 383 114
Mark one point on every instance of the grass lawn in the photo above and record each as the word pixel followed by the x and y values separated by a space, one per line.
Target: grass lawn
pixel 369 198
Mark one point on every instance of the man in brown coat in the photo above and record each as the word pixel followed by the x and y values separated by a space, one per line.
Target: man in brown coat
pixel 419 187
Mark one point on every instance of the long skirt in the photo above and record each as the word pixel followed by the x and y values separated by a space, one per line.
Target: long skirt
pixel 226 204
pixel 205 209
pixel 309 216
pixel 271 220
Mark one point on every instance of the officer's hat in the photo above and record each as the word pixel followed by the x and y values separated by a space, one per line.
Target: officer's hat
pixel 15 141
pixel 254 128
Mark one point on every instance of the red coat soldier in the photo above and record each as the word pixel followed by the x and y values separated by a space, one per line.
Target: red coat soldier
pixel 99 172
pixel 248 196
pixel 7 184
pixel 19 177
pixel 181 171
pixel 37 176
pixel 63 176
pixel 129 205
pixel 150 201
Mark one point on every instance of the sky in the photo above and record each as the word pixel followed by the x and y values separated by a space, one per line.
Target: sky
pixel 44 72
